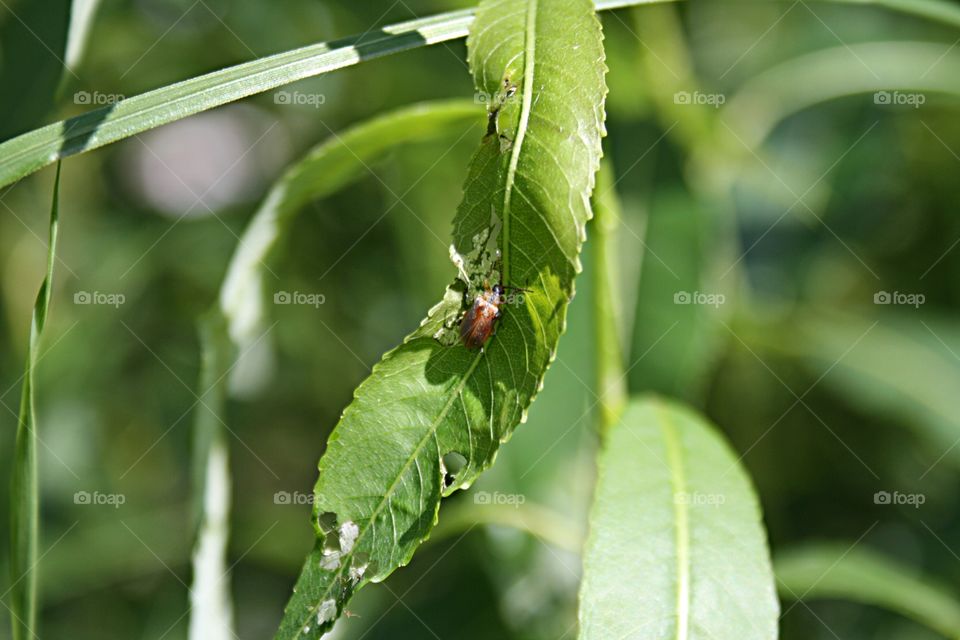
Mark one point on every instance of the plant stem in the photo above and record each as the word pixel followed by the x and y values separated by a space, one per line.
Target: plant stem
pixel 611 378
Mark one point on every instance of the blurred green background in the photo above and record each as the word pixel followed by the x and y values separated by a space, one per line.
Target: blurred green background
pixel 763 180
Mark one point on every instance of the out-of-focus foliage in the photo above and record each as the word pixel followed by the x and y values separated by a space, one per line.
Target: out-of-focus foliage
pixel 829 197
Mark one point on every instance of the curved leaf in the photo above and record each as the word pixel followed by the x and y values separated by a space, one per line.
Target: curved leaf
pixel 526 196
pixel 859 574
pixel 236 327
pixel 676 548
pixel 327 168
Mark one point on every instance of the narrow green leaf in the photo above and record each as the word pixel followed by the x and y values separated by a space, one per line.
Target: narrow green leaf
pixel 676 547
pixel 849 572
pixel 235 327
pixel 211 609
pixel 325 169
pixel 82 13
pixel 27 153
pixel 526 197
pixel 24 494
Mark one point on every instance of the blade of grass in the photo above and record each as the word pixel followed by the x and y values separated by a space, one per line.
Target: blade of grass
pixel 27 153
pixel 24 498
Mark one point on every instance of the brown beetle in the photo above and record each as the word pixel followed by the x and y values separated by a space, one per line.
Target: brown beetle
pixel 480 320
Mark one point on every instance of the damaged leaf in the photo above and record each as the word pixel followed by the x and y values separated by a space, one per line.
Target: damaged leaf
pixel 385 467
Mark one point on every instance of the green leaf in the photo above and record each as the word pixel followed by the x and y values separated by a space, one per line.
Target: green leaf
pixel 211 609
pixel 676 546
pixel 82 13
pixel 24 497
pixel 237 325
pixel 859 574
pixel 432 399
pixel 27 153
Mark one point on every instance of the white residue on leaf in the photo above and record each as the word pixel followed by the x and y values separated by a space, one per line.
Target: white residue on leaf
pixel 327 611
pixel 458 262
pixel 477 269
pixel 348 535
pixel 478 265
pixel 356 573
pixel 330 560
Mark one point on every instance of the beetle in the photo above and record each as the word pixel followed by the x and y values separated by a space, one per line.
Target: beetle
pixel 480 320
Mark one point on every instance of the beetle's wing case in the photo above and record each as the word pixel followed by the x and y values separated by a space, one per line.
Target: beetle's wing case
pixel 477 325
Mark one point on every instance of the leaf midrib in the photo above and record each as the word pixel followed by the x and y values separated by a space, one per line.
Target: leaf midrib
pixel 431 432
pixel 529 54
pixel 678 484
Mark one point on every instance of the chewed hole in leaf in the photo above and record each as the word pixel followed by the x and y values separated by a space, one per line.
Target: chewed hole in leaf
pixel 452 464
pixel 358 566
pixel 331 542
pixel 327 521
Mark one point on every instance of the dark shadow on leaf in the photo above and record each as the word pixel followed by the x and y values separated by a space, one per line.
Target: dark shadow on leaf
pixel 78 131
